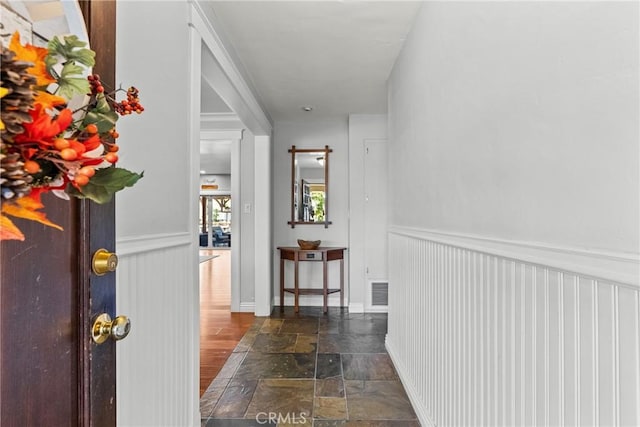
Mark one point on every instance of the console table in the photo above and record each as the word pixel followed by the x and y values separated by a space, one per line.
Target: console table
pixel 321 254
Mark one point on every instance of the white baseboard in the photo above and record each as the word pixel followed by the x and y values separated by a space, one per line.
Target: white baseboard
pixel 376 309
pixel 419 409
pixel 247 307
pixel 356 307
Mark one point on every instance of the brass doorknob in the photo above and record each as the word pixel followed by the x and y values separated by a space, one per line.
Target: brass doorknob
pixel 104 327
pixel 104 262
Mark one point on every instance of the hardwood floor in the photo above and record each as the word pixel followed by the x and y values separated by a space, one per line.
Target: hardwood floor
pixel 220 330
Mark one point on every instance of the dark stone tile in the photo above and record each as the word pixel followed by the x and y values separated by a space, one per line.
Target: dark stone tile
pixel 234 401
pixel 277 365
pixel 210 398
pixel 289 313
pixel 378 400
pixel 275 343
pixel 231 365
pixel 306 343
pixel 368 367
pixel 219 382
pixel 334 343
pixel 271 326
pixel 330 408
pixel 246 342
pixel 228 422
pixel 330 387
pixel 257 324
pixel 328 366
pixel 286 398
pixel 353 326
pixel 299 326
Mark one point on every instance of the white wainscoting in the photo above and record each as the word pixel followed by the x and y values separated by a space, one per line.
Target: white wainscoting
pixel 157 372
pixel 486 339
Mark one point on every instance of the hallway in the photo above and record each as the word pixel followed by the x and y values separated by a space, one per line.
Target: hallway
pixel 220 330
pixel 310 369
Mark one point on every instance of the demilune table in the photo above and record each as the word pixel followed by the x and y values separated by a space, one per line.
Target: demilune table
pixel 321 254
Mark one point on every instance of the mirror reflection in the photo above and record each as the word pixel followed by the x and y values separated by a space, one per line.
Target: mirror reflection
pixel 309 195
pixel 309 187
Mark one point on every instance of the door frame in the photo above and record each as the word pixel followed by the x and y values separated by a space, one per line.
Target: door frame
pixel 369 279
pixel 235 136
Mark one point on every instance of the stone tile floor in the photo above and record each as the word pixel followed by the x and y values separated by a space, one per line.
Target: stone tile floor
pixel 309 369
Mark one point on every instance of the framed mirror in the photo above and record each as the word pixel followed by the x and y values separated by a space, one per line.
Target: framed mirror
pixel 309 186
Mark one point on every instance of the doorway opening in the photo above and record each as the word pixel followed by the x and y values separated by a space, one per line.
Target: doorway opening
pixel 225 109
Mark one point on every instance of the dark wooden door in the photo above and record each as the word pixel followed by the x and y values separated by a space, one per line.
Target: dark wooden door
pixel 52 373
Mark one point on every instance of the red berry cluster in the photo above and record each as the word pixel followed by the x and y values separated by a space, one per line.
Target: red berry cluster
pixel 129 105
pixel 95 84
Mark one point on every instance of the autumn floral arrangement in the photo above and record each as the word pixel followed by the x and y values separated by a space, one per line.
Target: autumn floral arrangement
pixel 48 146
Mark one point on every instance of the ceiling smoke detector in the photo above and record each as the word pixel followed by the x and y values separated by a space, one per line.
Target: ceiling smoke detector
pixel 307 108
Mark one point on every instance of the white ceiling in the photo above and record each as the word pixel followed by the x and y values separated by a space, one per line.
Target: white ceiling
pixel 333 55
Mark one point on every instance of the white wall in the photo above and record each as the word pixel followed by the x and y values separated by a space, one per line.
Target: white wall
pixel 361 127
pixel 311 134
pixel 155 141
pixel 157 374
pixel 520 121
pixel 513 127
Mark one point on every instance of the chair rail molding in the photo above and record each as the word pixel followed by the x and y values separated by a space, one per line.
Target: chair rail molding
pixel 138 244
pixel 620 267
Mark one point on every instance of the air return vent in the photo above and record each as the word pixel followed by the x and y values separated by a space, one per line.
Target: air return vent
pixel 379 294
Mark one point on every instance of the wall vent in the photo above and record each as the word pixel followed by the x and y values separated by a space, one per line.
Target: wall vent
pixel 379 294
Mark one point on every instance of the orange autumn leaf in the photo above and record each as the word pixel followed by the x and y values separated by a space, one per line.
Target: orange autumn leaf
pixel 48 100
pixel 36 56
pixel 8 230
pixel 43 129
pixel 26 208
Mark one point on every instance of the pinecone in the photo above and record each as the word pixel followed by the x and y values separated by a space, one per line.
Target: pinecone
pixel 17 103
pixel 14 180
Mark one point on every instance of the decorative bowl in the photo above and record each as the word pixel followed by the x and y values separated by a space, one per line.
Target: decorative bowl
pixel 308 244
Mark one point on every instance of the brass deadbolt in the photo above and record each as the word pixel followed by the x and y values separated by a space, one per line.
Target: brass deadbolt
pixel 104 262
pixel 104 327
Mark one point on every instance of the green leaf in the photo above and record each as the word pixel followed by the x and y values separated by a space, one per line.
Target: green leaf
pixel 102 106
pixel 104 121
pixel 101 115
pixel 71 49
pixel 71 81
pixel 105 183
pixel 51 60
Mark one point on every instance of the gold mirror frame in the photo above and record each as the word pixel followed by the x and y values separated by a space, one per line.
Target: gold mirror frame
pixel 294 220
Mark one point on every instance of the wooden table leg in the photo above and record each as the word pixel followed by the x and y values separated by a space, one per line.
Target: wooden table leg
pixel 296 291
pixel 341 282
pixel 281 284
pixel 325 290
